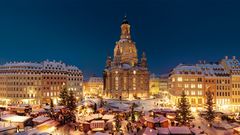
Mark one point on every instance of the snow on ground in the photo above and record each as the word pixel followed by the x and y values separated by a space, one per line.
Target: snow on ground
pixel 145 105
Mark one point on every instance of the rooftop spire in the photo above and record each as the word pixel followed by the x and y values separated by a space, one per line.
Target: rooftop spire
pixel 125 29
pixel 125 21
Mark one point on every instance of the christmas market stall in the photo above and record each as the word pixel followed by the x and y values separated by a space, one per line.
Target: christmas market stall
pixel 152 122
pixel 19 121
pixel 97 125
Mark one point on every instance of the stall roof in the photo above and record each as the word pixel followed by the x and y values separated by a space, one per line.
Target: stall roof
pixel 100 133
pixel 163 131
pixel 7 128
pixel 15 118
pixel 149 131
pixel 97 121
pixel 41 119
pixel 180 130
pixel 155 120
pixel 196 130
pixel 108 117
pixel 93 116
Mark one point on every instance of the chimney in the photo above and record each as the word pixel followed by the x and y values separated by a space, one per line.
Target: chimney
pixel 234 57
pixel 226 57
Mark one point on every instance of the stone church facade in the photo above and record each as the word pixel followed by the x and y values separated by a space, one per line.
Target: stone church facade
pixel 124 76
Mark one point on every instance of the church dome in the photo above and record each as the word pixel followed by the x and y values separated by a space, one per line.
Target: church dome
pixel 127 48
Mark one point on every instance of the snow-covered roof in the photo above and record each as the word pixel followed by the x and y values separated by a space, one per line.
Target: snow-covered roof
pixel 196 130
pixel 41 119
pixel 97 121
pixel 45 65
pixel 233 65
pixel 180 69
pixel 15 118
pixel 7 128
pixel 159 119
pixel 163 131
pixel 93 117
pixel 126 66
pixel 180 130
pixel 100 133
pixel 108 117
pixel 213 69
pixel 27 64
pixel 203 69
pixel 149 131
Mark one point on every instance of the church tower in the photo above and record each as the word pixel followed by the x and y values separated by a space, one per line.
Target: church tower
pixel 125 77
pixel 128 51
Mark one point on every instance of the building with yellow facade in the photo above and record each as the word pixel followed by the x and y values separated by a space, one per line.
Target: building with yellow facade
pixel 125 77
pixel 221 78
pixel 93 86
pixel 37 83
pixel 154 85
pixel 158 86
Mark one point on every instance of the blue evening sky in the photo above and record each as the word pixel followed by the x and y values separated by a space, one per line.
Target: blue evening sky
pixel 82 32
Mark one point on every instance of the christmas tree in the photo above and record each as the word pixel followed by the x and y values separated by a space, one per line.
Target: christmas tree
pixel 118 123
pixel 183 112
pixel 209 106
pixel 132 111
pixel 63 97
pixel 72 101
pixel 72 105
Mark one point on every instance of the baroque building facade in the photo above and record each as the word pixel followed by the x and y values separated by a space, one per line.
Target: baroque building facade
pixel 37 83
pixel 221 78
pixel 124 76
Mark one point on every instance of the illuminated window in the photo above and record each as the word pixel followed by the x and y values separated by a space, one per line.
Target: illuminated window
pixel 199 101
pixel 193 86
pixel 193 80
pixel 179 79
pixel 116 83
pixel 173 79
pixel 180 85
pixel 134 72
pixel 186 86
pixel 193 101
pixel 187 92
pixel 134 83
pixel 200 86
pixel 125 83
pixel 199 92
pixel 192 92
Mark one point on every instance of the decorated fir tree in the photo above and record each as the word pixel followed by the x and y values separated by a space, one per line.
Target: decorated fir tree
pixel 209 107
pixel 183 110
pixel 51 104
pixel 51 107
pixel 71 101
pixel 118 123
pixel 63 97
pixel 132 111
